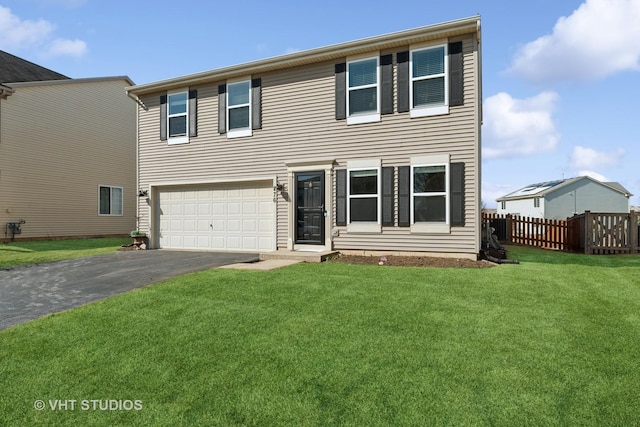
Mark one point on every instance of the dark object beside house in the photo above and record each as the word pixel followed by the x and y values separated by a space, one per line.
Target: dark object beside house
pixel 491 248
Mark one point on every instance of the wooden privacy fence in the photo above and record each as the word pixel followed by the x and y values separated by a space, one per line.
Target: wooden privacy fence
pixel 591 233
pixel 544 233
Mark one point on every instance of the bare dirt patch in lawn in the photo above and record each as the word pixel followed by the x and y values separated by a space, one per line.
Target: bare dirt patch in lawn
pixel 412 261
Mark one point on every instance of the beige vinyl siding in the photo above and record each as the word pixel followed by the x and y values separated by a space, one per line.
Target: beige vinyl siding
pixel 298 123
pixel 58 143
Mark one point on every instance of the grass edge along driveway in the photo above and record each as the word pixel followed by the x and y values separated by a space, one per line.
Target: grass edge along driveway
pixel 552 341
pixel 14 254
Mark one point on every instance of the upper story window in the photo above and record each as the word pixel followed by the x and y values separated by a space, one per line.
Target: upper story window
pixel 429 85
pixel 178 116
pixel 239 109
pixel 363 89
pixel 109 200
pixel 177 113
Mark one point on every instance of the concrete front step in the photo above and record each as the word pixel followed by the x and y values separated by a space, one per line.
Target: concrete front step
pixel 298 255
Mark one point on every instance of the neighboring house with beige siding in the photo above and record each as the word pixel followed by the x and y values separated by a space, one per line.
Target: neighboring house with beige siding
pixel 67 157
pixel 369 145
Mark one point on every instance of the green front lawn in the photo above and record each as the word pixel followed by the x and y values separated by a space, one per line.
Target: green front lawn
pixel 552 341
pixel 21 253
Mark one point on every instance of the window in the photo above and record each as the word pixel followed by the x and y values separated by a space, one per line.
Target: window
pixel 429 81
pixel 363 91
pixel 363 195
pixel 177 114
pixel 536 202
pixel 503 205
pixel 239 109
pixel 109 200
pixel 430 195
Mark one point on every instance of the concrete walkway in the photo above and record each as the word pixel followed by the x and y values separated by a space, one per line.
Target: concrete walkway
pixel 32 291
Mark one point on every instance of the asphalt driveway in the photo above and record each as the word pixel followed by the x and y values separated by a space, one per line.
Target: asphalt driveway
pixel 32 291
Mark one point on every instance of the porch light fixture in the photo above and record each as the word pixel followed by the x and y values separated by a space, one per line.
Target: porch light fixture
pixel 142 193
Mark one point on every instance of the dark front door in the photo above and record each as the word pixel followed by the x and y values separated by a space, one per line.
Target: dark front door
pixel 310 208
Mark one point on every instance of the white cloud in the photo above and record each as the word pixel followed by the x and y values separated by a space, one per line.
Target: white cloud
pixel 599 38
pixel 67 47
pixel 588 158
pixel 517 127
pixel 18 34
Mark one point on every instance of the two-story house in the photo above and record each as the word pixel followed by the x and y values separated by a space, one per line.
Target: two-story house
pixel 67 154
pixel 369 145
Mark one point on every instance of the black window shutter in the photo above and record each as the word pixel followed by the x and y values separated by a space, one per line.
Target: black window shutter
pixel 341 197
pixel 386 90
pixel 456 77
pixel 403 81
pixel 222 109
pixel 163 117
pixel 456 187
pixel 341 91
pixel 193 112
pixel 256 103
pixel 387 196
pixel 404 196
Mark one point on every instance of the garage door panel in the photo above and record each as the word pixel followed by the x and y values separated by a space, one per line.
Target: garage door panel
pixel 233 226
pixel 235 217
pixel 249 208
pixel 249 226
pixel 218 208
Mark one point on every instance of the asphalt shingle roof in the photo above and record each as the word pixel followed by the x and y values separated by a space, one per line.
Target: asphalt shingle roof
pixel 14 70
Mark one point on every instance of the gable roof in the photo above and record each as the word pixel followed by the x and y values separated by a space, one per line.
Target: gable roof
pixel 332 52
pixel 14 69
pixel 541 189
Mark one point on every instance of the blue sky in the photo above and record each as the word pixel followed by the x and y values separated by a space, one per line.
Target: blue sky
pixel 561 78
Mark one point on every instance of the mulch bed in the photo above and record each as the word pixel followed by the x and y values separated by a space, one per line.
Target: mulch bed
pixel 412 261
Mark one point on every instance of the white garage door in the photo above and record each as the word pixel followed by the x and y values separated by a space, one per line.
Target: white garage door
pixel 235 217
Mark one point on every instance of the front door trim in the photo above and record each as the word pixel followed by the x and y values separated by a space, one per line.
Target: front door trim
pixel 294 167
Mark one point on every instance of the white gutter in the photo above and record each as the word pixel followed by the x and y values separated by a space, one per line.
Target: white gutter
pixel 5 91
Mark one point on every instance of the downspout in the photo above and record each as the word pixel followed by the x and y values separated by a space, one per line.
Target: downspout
pixel 139 104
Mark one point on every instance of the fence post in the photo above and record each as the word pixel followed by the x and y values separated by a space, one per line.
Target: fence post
pixel 588 232
pixel 509 229
pixel 634 229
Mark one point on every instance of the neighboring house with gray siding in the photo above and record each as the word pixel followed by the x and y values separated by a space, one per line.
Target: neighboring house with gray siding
pixel 67 154
pixel 564 198
pixel 369 145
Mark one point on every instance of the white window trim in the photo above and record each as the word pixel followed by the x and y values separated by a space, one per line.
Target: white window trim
pixel 367 117
pixel 364 226
pixel 241 132
pixel 111 187
pixel 436 109
pixel 183 139
pixel 431 227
